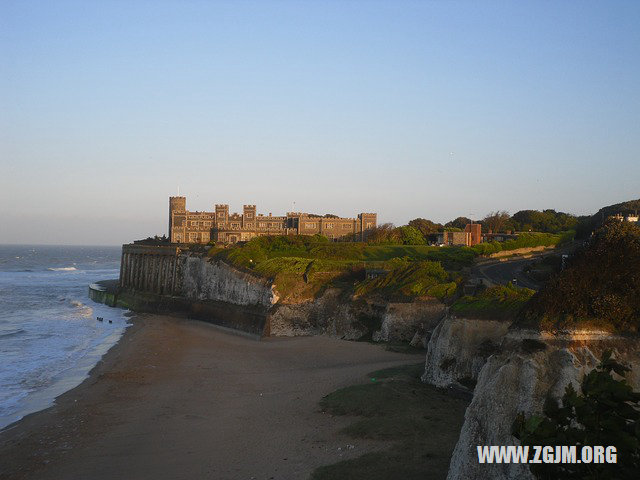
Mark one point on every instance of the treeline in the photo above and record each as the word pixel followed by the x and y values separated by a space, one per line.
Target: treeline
pixel 421 231
pixel 588 225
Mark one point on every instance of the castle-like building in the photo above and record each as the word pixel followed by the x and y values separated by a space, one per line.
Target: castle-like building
pixel 224 227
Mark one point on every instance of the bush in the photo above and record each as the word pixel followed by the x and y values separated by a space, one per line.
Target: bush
pixel 606 413
pixel 600 286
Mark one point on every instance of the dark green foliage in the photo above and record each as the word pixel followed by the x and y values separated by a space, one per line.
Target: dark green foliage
pixel 600 286
pixel 459 222
pixel 524 240
pixel 498 221
pixel 548 221
pixel 606 412
pixel 501 302
pixel 587 225
pixel 410 236
pixel 425 227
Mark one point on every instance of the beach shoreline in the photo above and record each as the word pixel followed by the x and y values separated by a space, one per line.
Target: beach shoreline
pixel 178 398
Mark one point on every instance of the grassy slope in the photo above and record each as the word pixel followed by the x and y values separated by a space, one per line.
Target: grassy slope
pixel 502 302
pixel 303 266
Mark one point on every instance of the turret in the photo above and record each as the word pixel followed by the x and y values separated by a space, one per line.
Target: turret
pixel 176 205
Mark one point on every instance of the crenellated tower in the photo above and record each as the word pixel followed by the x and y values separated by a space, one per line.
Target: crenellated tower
pixel 177 218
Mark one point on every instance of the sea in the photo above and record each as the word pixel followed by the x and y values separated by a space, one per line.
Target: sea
pixel 50 337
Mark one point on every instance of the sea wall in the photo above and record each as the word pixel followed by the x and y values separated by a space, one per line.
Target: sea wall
pixel 525 369
pixel 151 268
pixel 170 279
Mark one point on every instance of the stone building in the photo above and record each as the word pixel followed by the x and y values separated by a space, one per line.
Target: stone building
pixel 472 235
pixel 224 227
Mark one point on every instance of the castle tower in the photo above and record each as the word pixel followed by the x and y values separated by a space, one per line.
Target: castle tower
pixel 366 223
pixel 222 214
pixel 177 218
pixel 248 216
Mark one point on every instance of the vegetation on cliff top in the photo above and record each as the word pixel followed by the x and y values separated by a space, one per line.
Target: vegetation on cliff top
pixel 302 266
pixel 501 302
pixel 600 287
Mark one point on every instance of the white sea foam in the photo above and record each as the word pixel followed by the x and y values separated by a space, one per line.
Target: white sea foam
pixel 49 336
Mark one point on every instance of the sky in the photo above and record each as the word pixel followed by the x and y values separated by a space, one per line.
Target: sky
pixel 432 109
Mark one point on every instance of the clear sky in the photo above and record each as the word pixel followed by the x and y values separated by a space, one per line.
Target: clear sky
pixel 431 109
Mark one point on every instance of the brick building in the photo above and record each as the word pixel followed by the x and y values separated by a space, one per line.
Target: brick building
pixel 472 235
pixel 222 226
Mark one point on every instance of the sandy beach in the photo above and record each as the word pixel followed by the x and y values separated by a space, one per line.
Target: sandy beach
pixel 181 399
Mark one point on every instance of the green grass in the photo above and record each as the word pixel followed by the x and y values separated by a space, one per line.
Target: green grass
pixel 407 279
pixel 422 423
pixel 502 302
pixel 524 240
pixel 302 267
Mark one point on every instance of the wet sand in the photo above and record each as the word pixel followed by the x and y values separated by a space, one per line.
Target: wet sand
pixel 181 399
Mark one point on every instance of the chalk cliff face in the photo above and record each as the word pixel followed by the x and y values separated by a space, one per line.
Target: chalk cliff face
pixel 207 280
pixel 529 367
pixel 459 348
pixel 409 322
pixel 330 314
pixel 352 319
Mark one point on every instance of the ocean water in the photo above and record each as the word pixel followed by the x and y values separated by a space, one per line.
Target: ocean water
pixel 49 335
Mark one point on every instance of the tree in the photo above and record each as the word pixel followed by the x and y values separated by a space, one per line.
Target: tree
pixel 600 285
pixel 548 221
pixel 426 227
pixel 381 234
pixel 459 222
pixel 497 221
pixel 606 413
pixel 409 235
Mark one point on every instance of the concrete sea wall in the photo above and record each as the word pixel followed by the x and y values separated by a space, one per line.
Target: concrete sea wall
pixel 169 279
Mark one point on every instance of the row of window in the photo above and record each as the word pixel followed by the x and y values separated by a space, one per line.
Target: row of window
pixel 312 225
pixel 222 214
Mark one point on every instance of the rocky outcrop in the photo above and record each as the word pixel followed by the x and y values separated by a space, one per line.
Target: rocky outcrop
pixel 215 280
pixel 337 315
pixel 519 379
pixel 330 314
pixel 459 348
pixel 409 322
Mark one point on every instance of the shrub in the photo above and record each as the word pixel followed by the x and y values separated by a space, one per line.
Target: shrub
pixel 599 287
pixel 606 412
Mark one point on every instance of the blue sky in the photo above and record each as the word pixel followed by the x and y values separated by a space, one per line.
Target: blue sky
pixel 410 109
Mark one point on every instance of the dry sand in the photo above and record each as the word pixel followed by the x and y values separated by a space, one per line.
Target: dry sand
pixel 180 399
